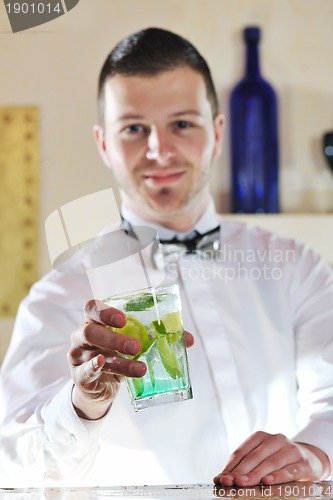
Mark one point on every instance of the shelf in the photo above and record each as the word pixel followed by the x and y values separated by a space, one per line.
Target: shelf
pixel 313 229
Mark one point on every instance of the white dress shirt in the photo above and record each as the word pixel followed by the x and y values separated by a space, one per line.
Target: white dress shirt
pixel 262 318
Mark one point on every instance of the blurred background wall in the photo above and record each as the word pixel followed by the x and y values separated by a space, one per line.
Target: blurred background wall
pixel 55 68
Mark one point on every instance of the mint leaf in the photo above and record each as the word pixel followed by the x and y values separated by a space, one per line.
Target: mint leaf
pixel 141 303
pixel 159 327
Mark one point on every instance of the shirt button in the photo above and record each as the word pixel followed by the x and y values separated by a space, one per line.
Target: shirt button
pixel 71 438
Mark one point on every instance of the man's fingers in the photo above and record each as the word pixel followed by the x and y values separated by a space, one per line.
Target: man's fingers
pixel 291 472
pixel 273 462
pixel 189 339
pixel 126 367
pixel 243 450
pixel 267 458
pixel 95 335
pixel 90 371
pixel 253 458
pixel 97 311
pixel 273 451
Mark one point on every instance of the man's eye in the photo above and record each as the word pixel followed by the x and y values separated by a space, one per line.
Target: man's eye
pixel 134 129
pixel 183 124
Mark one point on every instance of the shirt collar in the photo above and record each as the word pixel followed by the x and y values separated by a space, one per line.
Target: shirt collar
pixel 207 221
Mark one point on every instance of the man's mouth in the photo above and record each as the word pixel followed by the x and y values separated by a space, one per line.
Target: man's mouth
pixel 163 177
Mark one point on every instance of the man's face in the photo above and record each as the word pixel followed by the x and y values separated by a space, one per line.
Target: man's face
pixel 159 139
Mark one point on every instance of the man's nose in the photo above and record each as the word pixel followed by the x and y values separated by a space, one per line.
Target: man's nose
pixel 159 147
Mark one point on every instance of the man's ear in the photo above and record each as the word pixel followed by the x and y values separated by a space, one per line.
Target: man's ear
pixel 219 134
pixel 99 136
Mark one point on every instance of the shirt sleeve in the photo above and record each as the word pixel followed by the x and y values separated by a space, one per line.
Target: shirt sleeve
pixel 52 447
pixel 42 440
pixel 312 302
pixel 73 439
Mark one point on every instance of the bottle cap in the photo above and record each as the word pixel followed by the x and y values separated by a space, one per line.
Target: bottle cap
pixel 252 34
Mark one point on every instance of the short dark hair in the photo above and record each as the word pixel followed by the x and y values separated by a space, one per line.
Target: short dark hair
pixel 151 51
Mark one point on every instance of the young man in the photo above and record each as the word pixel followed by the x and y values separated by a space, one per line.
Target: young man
pixel 260 311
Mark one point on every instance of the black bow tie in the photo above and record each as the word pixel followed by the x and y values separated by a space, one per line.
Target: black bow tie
pixel 206 245
pixel 208 242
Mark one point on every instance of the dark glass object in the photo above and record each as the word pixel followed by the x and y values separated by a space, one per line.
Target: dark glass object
pixel 328 148
pixel 254 137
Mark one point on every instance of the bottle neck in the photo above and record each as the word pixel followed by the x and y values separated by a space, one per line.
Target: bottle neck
pixel 252 59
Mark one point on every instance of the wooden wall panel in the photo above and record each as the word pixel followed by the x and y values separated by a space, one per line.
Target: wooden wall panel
pixel 19 200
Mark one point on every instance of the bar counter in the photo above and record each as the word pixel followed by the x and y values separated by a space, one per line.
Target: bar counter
pixel 287 491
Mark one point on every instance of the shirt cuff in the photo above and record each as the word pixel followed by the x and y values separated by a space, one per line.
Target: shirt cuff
pixel 67 433
pixel 318 434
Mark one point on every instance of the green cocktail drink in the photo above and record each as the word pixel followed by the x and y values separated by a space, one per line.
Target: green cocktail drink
pixel 154 318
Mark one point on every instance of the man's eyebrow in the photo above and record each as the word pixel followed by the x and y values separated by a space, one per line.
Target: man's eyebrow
pixel 187 112
pixel 129 116
pixel 133 116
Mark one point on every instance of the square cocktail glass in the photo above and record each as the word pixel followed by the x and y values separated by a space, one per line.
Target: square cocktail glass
pixel 154 318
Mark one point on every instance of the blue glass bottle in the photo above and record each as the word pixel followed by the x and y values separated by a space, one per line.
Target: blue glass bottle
pixel 254 137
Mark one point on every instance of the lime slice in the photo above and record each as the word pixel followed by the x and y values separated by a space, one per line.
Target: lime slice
pixel 168 358
pixel 173 321
pixel 173 324
pixel 135 329
pixel 138 386
pixel 151 372
pixel 173 337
